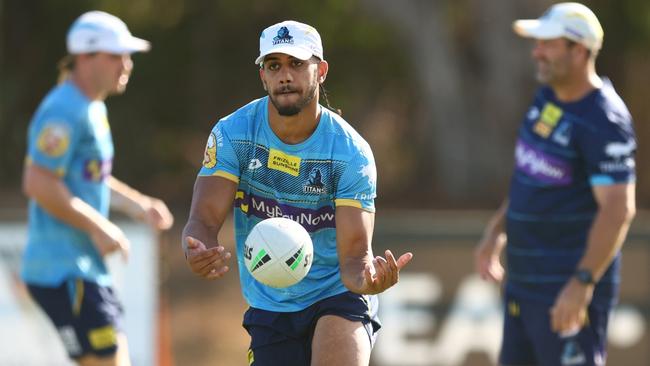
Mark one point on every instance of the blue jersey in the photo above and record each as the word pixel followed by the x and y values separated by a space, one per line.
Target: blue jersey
pixel 562 151
pixel 70 136
pixel 304 182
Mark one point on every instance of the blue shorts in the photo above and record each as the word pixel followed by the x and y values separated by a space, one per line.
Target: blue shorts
pixel 528 339
pixel 285 338
pixel 86 316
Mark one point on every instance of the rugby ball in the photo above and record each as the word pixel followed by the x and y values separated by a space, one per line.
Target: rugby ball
pixel 278 252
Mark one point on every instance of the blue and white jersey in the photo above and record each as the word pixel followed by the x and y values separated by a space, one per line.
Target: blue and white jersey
pixel 304 182
pixel 70 136
pixel 562 151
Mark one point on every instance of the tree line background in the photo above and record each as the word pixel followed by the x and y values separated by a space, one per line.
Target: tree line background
pixel 438 88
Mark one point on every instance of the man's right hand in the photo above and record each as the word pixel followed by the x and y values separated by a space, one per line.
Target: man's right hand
pixel 208 263
pixel 108 238
pixel 486 257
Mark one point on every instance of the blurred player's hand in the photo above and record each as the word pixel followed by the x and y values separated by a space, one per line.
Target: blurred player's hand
pixel 108 238
pixel 569 313
pixel 384 272
pixel 208 263
pixel 157 214
pixel 487 260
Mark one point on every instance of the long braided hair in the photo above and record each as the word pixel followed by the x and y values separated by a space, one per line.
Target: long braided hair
pixel 325 97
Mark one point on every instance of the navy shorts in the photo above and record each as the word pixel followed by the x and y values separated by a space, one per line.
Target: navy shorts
pixel 528 339
pixel 285 338
pixel 87 316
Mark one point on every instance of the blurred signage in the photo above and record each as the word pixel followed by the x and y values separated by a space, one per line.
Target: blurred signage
pixel 26 328
pixel 442 314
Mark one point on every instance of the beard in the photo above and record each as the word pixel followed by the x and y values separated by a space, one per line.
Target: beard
pixel 293 108
pixel 551 72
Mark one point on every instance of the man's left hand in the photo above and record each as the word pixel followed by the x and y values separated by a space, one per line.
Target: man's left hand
pixel 569 313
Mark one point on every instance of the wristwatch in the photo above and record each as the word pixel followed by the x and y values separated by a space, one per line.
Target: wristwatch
pixel 584 276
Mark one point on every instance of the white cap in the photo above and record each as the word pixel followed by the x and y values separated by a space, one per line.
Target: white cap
pixel 570 20
pixel 299 40
pixel 97 31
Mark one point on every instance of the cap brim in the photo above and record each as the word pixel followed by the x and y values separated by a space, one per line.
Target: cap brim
pixel 128 45
pixel 297 52
pixel 135 44
pixel 535 28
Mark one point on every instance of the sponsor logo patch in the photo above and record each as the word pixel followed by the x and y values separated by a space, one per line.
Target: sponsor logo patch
pixel 562 134
pixel 254 164
pixel 54 139
pixel 533 113
pixel 210 154
pixel 621 154
pixel 369 171
pixel 311 219
pixel 103 337
pixel 551 115
pixel 283 162
pixel 618 150
pixel 96 170
pixel 542 166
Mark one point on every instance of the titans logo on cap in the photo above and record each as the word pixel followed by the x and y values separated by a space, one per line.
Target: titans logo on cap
pixel 283 36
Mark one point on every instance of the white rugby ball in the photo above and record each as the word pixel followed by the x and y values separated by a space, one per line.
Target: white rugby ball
pixel 278 252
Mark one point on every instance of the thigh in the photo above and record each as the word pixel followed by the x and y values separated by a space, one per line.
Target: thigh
pixel 517 347
pixel 120 358
pixel 288 338
pixel 270 347
pixel 86 316
pixel 277 338
pixel 339 341
pixel 345 330
pixel 586 348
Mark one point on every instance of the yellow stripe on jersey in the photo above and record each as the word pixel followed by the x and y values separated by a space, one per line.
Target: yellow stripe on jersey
pixel 222 174
pixel 347 202
pixel 78 298
pixel 60 172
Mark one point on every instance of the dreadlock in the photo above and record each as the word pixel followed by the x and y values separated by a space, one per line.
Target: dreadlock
pixel 323 92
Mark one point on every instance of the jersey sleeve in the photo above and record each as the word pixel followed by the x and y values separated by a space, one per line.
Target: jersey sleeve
pixel 51 142
pixel 608 148
pixel 219 158
pixel 358 184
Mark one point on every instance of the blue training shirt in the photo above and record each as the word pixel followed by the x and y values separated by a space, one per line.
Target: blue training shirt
pixel 562 151
pixel 70 136
pixel 304 182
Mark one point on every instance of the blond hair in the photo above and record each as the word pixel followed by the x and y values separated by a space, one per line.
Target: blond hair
pixel 65 67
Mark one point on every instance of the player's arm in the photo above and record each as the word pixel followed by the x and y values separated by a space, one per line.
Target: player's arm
pixel 487 255
pixel 49 191
pixel 139 206
pixel 211 203
pixel 616 209
pixel 361 271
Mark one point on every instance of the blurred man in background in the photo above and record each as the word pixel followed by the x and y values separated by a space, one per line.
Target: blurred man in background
pixel 261 158
pixel 68 180
pixel 570 204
